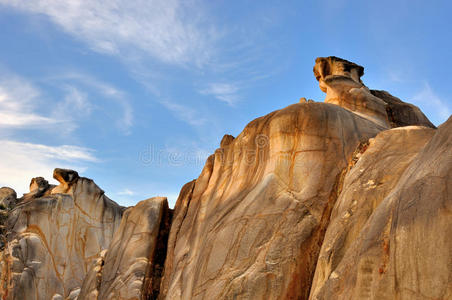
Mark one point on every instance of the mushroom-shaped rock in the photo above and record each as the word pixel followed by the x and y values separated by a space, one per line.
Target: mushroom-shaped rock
pixel 65 175
pixel 340 79
pixel 66 178
pixel 332 65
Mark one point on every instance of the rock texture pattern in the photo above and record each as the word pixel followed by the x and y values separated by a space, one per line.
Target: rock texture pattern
pixel 251 225
pixel 54 235
pixel 348 199
pixel 389 236
pixel 132 265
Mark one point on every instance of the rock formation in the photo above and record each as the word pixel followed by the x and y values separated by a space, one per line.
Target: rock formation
pixel 348 199
pixel 133 263
pixel 254 218
pixel 341 81
pixel 54 234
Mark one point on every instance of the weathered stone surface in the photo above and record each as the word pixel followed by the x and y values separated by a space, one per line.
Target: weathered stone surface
pixel 401 113
pixel 131 268
pixel 341 81
pixel 39 187
pixel 369 181
pixel 389 237
pixel 8 198
pixel 93 278
pixel 53 240
pixel 251 225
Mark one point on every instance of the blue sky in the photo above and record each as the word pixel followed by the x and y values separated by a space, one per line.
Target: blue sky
pixel 136 94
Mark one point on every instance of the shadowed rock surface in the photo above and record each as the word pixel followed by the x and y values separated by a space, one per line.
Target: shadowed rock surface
pixel 313 201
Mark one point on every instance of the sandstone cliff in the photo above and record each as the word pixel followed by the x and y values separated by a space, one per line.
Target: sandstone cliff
pixel 313 201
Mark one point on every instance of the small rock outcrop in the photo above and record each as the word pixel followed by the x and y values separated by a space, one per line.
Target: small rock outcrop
pixel 401 113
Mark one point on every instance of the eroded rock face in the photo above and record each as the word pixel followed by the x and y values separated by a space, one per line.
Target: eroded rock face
pixel 341 81
pixel 401 113
pixel 54 235
pixel 369 181
pixel 389 236
pixel 8 198
pixel 251 225
pixel 131 267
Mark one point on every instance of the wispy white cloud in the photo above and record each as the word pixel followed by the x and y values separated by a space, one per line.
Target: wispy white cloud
pixel 148 36
pixel 23 161
pixel 77 99
pixel 18 101
pixel 432 104
pixel 184 113
pixel 172 31
pixel 126 192
pixel 225 92
pixel 21 99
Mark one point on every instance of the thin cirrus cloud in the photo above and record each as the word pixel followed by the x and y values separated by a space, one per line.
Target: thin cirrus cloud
pixel 18 101
pixel 126 192
pixel 23 161
pixel 162 29
pixel 225 92
pixel 432 104
pixel 184 113
pixel 77 86
pixel 138 32
pixel 154 37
